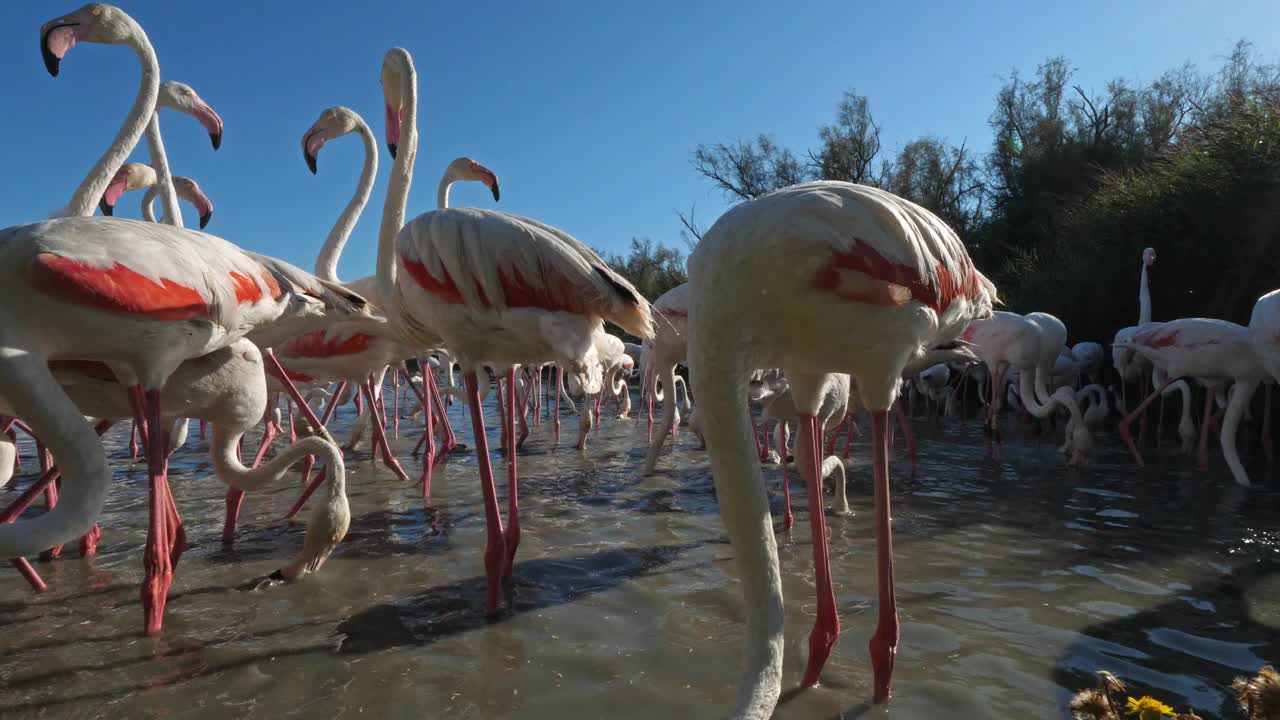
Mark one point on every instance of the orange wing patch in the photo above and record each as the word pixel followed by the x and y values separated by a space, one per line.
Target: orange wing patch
pixel 316 345
pixel 246 289
pixel 890 283
pixel 115 289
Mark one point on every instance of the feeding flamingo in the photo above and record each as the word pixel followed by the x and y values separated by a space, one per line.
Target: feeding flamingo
pixel 767 281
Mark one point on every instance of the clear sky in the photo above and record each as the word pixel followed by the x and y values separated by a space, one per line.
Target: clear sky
pixel 588 111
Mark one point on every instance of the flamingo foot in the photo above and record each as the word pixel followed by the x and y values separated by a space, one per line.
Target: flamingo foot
pixel 89 542
pixel 883 654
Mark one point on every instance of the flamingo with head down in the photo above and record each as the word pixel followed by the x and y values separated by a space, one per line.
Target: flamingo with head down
pixel 768 281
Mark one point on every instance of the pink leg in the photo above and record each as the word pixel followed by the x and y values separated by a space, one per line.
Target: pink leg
pixel 133 441
pixel 502 412
pixel 525 401
pixel 311 485
pixel 556 411
pixel 907 435
pixel 1145 384
pixel 29 573
pixel 202 424
pixel 1204 429
pixel 826 629
pixel 395 409
pixel 378 423
pixel 788 519
pixel 512 535
pixel 495 551
pixel 293 428
pixel 89 542
pixel 157 558
pixel 884 642
pixel 1125 433
pixel 234 499
pixel 429 458
pixel 848 438
pixel 755 433
pixel 50 495
pixel 649 396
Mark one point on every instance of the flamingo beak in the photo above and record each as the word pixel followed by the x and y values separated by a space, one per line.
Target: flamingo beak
pixel 54 44
pixel 496 194
pixel 211 121
pixel 393 130
pixel 104 207
pixel 311 145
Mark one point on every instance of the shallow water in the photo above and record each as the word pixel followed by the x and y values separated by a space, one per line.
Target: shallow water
pixel 1016 580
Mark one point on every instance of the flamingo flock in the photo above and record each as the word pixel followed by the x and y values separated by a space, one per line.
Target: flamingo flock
pixel 814 303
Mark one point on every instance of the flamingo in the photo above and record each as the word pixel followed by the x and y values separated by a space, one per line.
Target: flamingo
pixel 226 387
pixel 142 298
pixel 183 98
pixel 768 281
pixel 496 288
pixel 136 176
pixel 781 406
pixel 668 348
pixel 1130 365
pixel 1213 352
pixel 1010 342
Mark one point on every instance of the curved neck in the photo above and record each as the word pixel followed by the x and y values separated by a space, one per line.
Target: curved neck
pixel 327 262
pixel 148 207
pixel 442 192
pixel 1033 404
pixel 95 183
pixel 39 400
pixel 744 511
pixel 393 210
pixel 229 469
pixel 1144 298
pixel 164 179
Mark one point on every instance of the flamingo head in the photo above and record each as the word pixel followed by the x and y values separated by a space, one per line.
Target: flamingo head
pixel 394 66
pixel 95 22
pixel 332 124
pixel 464 168
pixel 1148 257
pixel 179 96
pixel 131 176
pixel 190 191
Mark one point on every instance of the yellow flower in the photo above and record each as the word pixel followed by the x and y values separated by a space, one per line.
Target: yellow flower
pixel 1148 708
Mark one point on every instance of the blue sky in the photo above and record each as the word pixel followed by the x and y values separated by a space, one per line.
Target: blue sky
pixel 588 111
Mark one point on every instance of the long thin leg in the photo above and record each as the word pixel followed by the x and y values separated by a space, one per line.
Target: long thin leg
pixel 908 436
pixel 379 433
pixel 1204 429
pixel 884 642
pixel 157 559
pixel 559 391
pixel 495 550
pixel 1127 436
pixel 826 628
pixel 512 535
pixel 311 485
pixel 395 409
pixel 848 438
pixel 502 414
pixel 788 518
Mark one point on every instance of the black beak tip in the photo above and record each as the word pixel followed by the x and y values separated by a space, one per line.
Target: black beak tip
pixel 204 219
pixel 105 207
pixel 311 162
pixel 216 139
pixel 51 61
pixel 392 147
pixel 496 194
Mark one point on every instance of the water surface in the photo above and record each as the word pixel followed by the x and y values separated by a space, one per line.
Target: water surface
pixel 1016 580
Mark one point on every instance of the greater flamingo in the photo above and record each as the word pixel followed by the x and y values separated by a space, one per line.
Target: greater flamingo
pixel 142 298
pixel 668 348
pixel 1211 351
pixel 137 176
pixel 496 288
pixel 768 282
